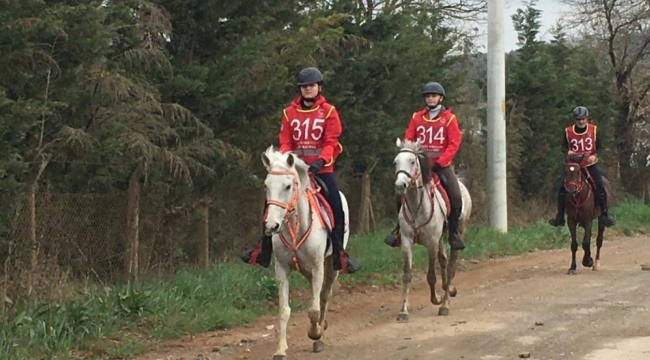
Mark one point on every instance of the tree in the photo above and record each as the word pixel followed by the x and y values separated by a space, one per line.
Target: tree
pixel 619 32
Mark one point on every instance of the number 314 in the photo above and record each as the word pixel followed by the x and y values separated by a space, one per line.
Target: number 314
pixel 423 132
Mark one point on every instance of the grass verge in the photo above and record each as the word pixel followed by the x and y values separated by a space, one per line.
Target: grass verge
pixel 121 321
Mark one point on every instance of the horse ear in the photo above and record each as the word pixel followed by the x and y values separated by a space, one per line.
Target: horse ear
pixel 291 160
pixel 398 143
pixel 266 161
pixel 417 143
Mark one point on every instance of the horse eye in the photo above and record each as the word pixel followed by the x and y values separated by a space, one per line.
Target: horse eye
pixel 412 162
pixel 288 187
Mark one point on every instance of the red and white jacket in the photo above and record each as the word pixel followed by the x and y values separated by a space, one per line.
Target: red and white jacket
pixel 313 133
pixel 440 137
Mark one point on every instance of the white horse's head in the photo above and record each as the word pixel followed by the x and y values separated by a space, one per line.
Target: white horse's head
pixel 285 183
pixel 411 166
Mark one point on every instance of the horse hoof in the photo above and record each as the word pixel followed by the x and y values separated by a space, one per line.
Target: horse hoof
pixel 318 346
pixel 453 292
pixel 443 311
pixel 588 262
pixel 596 266
pixel 313 336
pixel 402 317
pixel 572 272
pixel 279 357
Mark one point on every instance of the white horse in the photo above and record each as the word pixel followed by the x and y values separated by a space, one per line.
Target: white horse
pixel 299 241
pixel 422 220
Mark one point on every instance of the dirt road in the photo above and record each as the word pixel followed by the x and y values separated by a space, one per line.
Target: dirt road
pixel 505 309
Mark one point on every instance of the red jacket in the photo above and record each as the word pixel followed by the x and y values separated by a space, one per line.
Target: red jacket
pixel 440 137
pixel 312 134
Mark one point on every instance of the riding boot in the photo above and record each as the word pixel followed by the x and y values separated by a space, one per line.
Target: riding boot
pixel 260 254
pixel 455 240
pixel 602 203
pixel 341 260
pixel 558 220
pixel 393 239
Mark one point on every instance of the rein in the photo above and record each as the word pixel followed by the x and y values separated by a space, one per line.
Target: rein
pixel 578 201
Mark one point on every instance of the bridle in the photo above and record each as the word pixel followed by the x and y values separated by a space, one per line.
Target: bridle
pixel 579 183
pixel 414 176
pixel 290 207
pixel 417 172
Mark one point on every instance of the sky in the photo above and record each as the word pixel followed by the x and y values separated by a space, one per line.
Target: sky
pixel 551 12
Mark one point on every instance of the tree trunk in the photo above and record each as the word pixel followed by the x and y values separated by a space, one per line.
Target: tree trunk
pixel 33 242
pixel 625 139
pixel 365 215
pixel 203 251
pixel 133 226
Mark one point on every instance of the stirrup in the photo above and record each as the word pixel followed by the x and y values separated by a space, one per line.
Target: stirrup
pixel 557 221
pixel 256 256
pixel 345 263
pixel 608 220
pixel 456 243
pixel 392 239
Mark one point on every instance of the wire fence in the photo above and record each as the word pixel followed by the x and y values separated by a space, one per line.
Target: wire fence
pixel 65 237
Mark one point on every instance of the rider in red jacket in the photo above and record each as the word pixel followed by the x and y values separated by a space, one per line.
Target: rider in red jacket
pixel 310 129
pixel 581 139
pixel 436 126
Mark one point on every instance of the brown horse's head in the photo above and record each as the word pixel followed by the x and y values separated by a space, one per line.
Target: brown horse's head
pixel 574 181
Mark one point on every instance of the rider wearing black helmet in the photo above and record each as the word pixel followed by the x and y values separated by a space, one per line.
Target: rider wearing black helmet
pixel 310 129
pixel 437 129
pixel 581 139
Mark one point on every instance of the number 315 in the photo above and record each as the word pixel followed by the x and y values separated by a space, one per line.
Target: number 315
pixel 307 128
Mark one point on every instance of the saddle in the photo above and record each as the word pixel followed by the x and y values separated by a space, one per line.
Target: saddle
pixel 319 203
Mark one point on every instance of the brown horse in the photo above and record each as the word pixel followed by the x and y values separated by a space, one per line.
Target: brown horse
pixel 581 209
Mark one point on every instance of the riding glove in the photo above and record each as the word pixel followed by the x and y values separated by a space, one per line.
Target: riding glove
pixel 316 165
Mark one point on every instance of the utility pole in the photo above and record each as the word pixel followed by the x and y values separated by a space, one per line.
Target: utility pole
pixel 496 121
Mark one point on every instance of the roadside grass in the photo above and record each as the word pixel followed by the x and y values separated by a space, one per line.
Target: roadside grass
pixel 122 321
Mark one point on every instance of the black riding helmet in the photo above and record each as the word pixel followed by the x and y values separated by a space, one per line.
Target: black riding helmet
pixel 580 112
pixel 310 75
pixel 433 88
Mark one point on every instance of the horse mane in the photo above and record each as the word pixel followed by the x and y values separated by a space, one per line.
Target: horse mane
pixel 278 160
pixel 422 158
